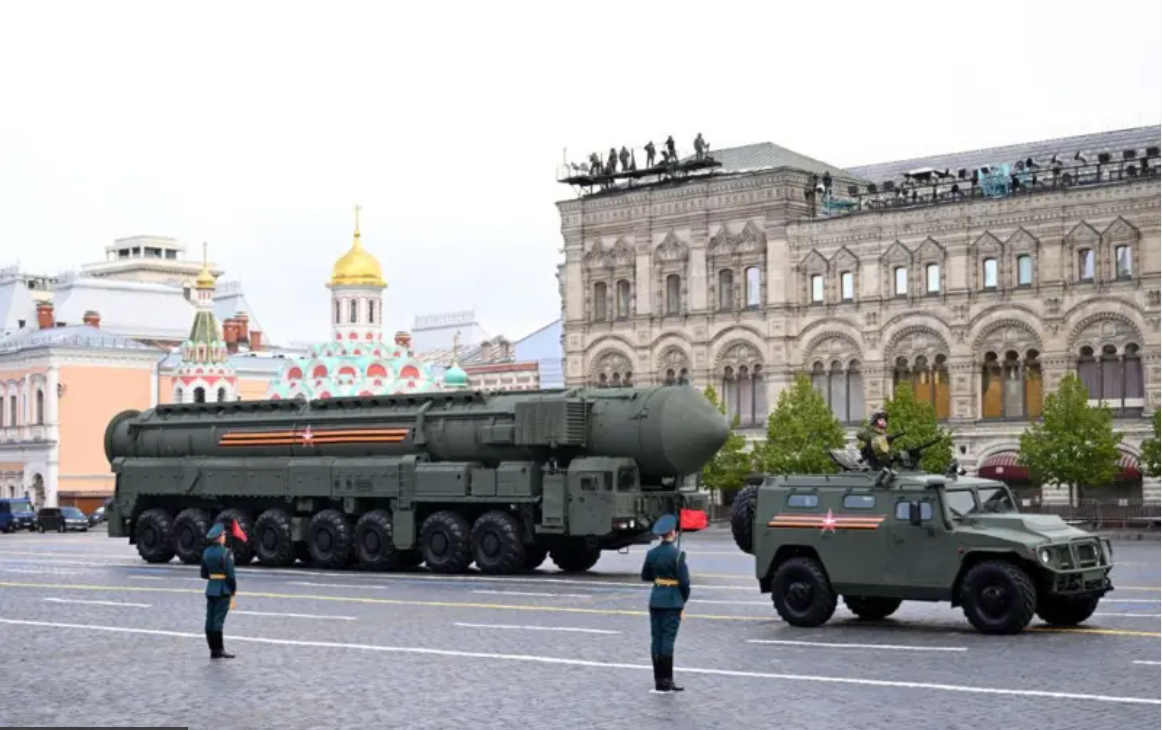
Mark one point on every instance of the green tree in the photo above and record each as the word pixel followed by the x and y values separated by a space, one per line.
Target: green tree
pixel 1150 451
pixel 1074 443
pixel 799 432
pixel 732 464
pixel 918 418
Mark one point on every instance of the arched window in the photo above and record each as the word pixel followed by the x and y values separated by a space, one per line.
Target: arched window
pixel 13 412
pixel 816 288
pixel 177 395
pixel 744 395
pixel 623 292
pixel 199 395
pixel 39 407
pixel 681 377
pixel 673 294
pixel 221 395
pixel 1011 385
pixel 841 387
pixel 726 290
pixel 754 296
pixel 1114 378
pixel 371 311
pixel 600 296
pixel 928 381
pixel 338 312
pixel 354 311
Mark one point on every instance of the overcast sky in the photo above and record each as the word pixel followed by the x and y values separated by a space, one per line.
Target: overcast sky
pixel 257 126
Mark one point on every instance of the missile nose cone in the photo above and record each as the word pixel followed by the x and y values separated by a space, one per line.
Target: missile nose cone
pixel 693 430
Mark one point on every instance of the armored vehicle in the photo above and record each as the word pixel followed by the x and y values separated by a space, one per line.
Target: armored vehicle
pixel 447 479
pixel 878 538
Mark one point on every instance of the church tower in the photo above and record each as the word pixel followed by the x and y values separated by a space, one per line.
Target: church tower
pixel 357 295
pixel 205 374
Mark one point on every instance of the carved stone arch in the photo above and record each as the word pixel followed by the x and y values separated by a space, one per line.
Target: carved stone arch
pixel 986 246
pixel 812 265
pixel 1020 244
pixel 671 250
pixel 751 239
pixel 843 262
pixel 1120 233
pixel 1002 335
pixel 911 341
pixel 736 253
pixel 930 252
pixel 1104 328
pixel 1022 241
pixel 610 341
pixel 737 353
pixel 611 365
pixel 832 345
pixel 671 258
pixel 1082 236
pixel 721 243
pixel 737 329
pixel 622 254
pixel 595 257
pixel 673 365
pixel 985 317
pixel 897 252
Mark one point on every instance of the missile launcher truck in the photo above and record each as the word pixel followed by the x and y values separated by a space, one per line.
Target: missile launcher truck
pixel 501 480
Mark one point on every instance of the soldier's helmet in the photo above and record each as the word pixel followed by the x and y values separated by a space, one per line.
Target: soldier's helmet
pixel 877 415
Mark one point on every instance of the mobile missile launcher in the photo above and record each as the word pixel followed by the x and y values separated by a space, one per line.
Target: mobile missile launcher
pixel 878 538
pixel 385 483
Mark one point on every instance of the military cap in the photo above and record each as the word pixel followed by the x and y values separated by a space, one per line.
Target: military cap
pixel 665 524
pixel 215 531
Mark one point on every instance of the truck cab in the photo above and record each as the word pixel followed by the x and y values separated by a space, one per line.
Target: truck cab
pixel 880 538
pixel 16 514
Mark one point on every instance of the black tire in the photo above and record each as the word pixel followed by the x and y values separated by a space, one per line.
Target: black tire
pixel 40 529
pixel 802 593
pixel 61 529
pixel 535 555
pixel 374 543
pixel 154 535
pixel 998 597
pixel 1066 610
pixel 445 539
pixel 189 534
pixel 243 551
pixel 329 538
pixel 871 608
pixel 273 544
pixel 742 518
pixel 575 558
pixel 496 543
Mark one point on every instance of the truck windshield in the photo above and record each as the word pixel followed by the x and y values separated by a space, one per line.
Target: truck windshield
pixel 992 500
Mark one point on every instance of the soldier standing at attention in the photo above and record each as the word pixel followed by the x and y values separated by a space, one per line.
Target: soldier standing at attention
pixel 665 566
pixel 218 569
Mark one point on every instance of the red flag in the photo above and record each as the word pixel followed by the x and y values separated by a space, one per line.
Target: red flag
pixel 693 520
pixel 236 531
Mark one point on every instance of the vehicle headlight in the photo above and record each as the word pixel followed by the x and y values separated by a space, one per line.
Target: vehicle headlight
pixel 1046 556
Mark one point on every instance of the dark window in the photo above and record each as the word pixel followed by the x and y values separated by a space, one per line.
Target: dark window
pixel 859 501
pixel 902 511
pixel 803 500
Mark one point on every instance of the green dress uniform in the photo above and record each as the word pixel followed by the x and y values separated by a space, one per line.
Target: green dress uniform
pixel 218 570
pixel 665 567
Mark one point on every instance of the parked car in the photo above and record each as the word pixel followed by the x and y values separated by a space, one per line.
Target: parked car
pixel 98 515
pixel 61 519
pixel 16 514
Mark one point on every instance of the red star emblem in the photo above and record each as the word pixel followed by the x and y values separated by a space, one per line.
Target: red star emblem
pixel 307 435
pixel 829 522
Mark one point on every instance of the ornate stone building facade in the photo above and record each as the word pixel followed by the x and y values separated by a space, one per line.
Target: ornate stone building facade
pixel 979 302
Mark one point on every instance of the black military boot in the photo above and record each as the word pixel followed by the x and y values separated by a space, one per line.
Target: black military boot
pixel 211 644
pixel 221 649
pixel 659 685
pixel 668 674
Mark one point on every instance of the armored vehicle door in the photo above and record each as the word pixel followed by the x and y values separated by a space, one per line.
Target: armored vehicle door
pixel 592 499
pixel 922 552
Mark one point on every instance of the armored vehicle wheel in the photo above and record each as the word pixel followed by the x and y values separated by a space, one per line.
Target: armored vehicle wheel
pixel 374 544
pixel 1066 610
pixel 273 546
pixel 496 543
pixel 189 539
pixel 802 594
pixel 871 608
pixel 446 542
pixel 998 597
pixel 575 558
pixel 155 536
pixel 329 539
pixel 243 551
pixel 742 518
pixel 535 555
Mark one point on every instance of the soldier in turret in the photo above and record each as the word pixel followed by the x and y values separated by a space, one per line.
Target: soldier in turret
pixel 872 441
pixel 218 569
pixel 665 567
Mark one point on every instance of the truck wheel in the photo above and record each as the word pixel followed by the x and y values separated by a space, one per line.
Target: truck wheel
pixel 1066 610
pixel 374 544
pixel 802 594
pixel 535 555
pixel 871 608
pixel 496 544
pixel 329 539
pixel 742 518
pixel 998 597
pixel 155 536
pixel 446 542
pixel 189 538
pixel 243 551
pixel 273 545
pixel 575 558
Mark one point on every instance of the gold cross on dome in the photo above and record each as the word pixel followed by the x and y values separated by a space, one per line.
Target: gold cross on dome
pixel 358 208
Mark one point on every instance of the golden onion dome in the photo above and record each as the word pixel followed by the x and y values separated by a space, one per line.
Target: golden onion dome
pixel 357 267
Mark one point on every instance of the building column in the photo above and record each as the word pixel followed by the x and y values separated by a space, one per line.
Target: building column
pixel 51 396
